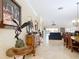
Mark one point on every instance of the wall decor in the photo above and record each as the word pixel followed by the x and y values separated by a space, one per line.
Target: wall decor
pixel 36 25
pixel 11 10
pixel 1 13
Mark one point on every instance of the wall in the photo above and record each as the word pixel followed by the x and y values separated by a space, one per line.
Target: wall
pixel 7 39
pixel 26 10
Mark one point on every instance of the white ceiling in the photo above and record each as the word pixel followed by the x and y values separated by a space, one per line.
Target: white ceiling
pixel 48 9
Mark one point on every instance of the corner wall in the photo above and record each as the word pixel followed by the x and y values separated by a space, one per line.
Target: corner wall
pixel 7 39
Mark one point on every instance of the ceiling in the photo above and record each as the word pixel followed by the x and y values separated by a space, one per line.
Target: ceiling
pixel 60 12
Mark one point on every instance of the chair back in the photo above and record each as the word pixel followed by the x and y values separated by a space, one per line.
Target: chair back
pixel 30 40
pixel 69 40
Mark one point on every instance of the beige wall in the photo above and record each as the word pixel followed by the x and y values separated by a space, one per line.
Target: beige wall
pixel 7 39
pixel 26 10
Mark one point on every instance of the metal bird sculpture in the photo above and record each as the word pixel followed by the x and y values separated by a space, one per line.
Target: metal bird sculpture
pixel 18 29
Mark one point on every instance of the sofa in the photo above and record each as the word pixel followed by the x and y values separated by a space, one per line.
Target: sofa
pixel 55 36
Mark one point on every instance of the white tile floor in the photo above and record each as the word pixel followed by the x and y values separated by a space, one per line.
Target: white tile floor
pixel 53 50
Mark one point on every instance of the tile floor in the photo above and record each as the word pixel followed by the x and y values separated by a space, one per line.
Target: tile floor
pixel 53 50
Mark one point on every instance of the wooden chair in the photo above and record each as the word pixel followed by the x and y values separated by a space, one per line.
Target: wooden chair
pixel 71 43
pixel 30 49
pixel 65 40
pixel 12 52
pixel 30 41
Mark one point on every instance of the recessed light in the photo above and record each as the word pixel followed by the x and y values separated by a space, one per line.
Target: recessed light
pixel 53 24
pixel 60 8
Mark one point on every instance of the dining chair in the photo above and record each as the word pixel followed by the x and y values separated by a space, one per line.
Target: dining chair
pixel 72 44
pixel 65 39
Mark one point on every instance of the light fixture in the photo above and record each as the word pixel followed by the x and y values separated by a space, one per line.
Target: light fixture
pixel 76 21
pixel 60 8
pixel 53 24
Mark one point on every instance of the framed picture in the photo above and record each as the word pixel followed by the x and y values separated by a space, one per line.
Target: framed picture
pixel 1 25
pixel 10 11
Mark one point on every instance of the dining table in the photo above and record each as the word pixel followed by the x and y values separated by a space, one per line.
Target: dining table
pixel 75 38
